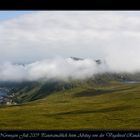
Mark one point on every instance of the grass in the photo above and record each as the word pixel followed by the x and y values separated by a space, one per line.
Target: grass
pixel 115 106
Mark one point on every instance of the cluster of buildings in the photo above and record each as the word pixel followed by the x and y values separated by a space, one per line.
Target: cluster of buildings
pixel 6 100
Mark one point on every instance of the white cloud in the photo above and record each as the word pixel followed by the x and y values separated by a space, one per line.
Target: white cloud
pixel 57 68
pixel 110 35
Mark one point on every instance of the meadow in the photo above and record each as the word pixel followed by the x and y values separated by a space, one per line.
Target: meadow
pixel 112 106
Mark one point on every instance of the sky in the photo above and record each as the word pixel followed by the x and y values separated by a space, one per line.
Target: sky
pixel 6 15
pixel 34 36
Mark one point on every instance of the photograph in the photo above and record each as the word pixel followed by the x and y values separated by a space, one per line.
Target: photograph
pixel 69 70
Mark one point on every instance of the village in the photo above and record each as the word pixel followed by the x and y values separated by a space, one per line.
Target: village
pixel 6 99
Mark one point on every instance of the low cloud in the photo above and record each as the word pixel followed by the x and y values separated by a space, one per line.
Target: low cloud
pixel 57 68
pixel 64 69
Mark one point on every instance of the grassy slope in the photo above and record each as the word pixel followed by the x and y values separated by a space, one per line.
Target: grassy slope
pixel 38 90
pixel 115 106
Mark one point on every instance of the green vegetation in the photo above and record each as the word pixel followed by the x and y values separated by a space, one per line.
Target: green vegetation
pixel 88 106
pixel 37 90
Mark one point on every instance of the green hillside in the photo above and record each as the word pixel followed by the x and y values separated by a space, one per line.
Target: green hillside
pixel 111 105
pixel 30 91
pixel 37 90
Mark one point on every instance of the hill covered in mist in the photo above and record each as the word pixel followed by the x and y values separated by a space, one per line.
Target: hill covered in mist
pixel 30 91
pixel 37 80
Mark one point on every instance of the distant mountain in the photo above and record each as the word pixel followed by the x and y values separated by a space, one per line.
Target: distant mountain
pixel 37 90
pixel 98 61
pixel 76 58
pixel 30 91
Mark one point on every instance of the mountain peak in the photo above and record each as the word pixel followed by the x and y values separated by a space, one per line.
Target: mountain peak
pixel 98 61
pixel 76 58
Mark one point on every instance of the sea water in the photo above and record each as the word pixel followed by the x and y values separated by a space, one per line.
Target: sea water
pixel 131 82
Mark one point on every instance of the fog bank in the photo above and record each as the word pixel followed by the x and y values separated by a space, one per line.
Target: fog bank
pixel 61 69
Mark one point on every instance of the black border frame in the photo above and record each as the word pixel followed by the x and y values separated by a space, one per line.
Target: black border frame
pixel 67 5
